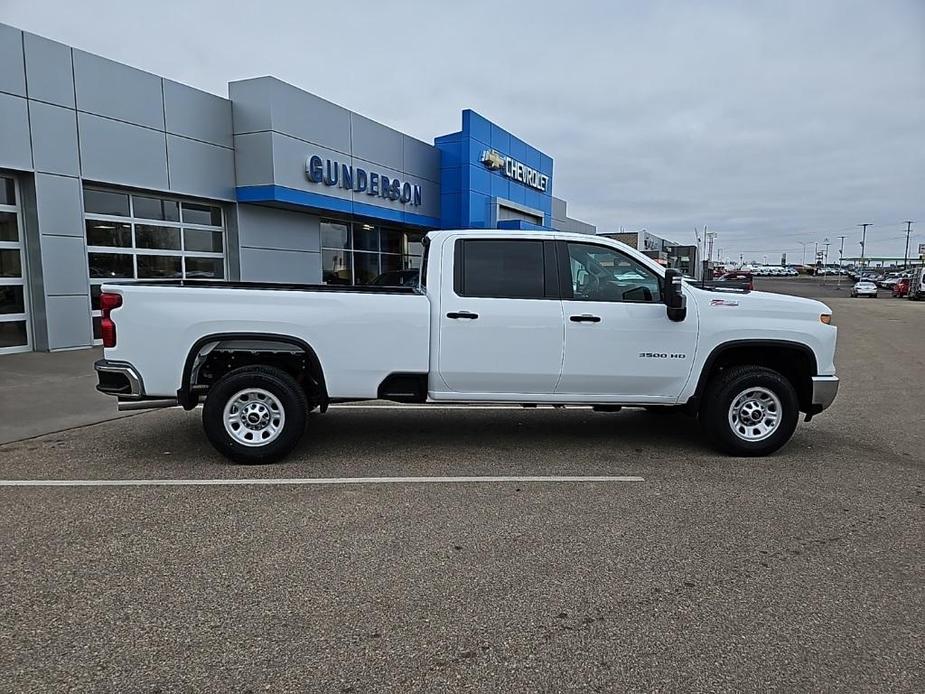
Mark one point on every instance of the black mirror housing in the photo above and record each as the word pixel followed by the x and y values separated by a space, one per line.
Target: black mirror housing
pixel 673 295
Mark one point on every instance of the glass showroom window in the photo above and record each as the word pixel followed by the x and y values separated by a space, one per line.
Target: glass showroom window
pixel 14 294
pixel 149 238
pixel 356 254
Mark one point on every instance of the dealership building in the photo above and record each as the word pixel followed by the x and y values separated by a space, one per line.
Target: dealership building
pixel 109 172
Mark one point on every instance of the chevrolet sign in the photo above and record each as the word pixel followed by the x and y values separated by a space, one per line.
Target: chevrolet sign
pixel 515 170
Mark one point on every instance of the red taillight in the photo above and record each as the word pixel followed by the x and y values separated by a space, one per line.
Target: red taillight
pixel 107 328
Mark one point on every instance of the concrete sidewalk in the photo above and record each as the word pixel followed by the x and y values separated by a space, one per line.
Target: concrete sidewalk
pixel 42 392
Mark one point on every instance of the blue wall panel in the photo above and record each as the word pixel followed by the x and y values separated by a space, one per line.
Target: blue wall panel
pixel 476 187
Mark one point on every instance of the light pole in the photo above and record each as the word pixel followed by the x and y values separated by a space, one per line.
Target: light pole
pixel 863 242
pixel 841 252
pixel 825 260
pixel 803 259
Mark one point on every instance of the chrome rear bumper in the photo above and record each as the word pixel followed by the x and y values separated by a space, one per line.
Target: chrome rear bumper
pixel 118 378
pixel 825 388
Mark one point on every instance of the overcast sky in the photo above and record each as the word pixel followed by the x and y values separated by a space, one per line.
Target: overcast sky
pixel 772 123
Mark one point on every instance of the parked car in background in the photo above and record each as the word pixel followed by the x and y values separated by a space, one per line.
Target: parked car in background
pixel 864 288
pixel 739 279
pixel 901 288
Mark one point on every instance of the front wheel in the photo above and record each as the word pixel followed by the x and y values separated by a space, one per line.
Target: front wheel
pixel 749 411
pixel 255 414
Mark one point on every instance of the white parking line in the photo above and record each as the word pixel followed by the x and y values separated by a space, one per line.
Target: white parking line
pixel 317 481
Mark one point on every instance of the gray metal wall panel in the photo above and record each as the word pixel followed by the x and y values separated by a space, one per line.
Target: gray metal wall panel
pixel 253 155
pixel 63 266
pixel 111 89
pixel 116 152
pixel 197 168
pixel 196 114
pixel 50 75
pixel 54 139
pixel 250 104
pixel 376 143
pixel 289 155
pixel 15 148
pixel 266 227
pixel 309 117
pixel 559 208
pixel 420 159
pixel 13 73
pixel 260 265
pixel 68 321
pixel 59 205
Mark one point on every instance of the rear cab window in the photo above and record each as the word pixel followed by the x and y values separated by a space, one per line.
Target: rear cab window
pixel 505 269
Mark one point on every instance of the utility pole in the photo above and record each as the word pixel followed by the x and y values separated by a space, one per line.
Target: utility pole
pixel 841 252
pixel 803 259
pixel 908 234
pixel 863 243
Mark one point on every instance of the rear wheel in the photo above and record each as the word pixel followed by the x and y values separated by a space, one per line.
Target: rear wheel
pixel 749 411
pixel 255 414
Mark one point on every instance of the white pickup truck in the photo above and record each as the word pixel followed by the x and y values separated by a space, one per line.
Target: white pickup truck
pixel 497 317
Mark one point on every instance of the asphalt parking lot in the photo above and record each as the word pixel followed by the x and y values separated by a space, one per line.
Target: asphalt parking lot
pixel 801 571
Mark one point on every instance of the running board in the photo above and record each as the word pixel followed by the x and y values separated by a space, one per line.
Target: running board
pixel 128 405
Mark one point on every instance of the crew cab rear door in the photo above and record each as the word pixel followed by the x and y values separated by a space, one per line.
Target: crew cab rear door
pixel 619 342
pixel 500 320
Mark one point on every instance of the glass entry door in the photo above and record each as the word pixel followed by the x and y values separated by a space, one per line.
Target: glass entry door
pixel 15 333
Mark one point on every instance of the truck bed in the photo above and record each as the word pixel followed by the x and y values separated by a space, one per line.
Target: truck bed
pixel 359 334
pixel 269 286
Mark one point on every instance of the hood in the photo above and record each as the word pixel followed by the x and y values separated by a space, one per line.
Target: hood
pixel 754 303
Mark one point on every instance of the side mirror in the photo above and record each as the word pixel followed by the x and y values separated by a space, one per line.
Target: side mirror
pixel 673 296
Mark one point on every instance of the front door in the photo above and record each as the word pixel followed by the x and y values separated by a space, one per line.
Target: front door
pixel 618 338
pixel 500 319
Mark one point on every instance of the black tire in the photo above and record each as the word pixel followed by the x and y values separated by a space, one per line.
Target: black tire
pixel 724 389
pixel 290 398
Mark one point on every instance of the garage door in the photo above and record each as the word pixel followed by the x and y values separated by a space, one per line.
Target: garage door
pixel 15 333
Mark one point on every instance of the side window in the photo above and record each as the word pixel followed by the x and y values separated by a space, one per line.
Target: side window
pixel 504 269
pixel 604 274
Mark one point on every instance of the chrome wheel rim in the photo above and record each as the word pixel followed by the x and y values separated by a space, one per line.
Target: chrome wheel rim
pixel 254 417
pixel 755 414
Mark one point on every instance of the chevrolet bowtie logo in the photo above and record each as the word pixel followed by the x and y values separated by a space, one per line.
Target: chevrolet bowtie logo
pixel 492 159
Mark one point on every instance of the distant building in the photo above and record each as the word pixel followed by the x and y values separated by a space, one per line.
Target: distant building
pixel 663 251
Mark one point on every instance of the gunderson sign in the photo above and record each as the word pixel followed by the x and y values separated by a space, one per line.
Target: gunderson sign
pixel 515 170
pixel 334 173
